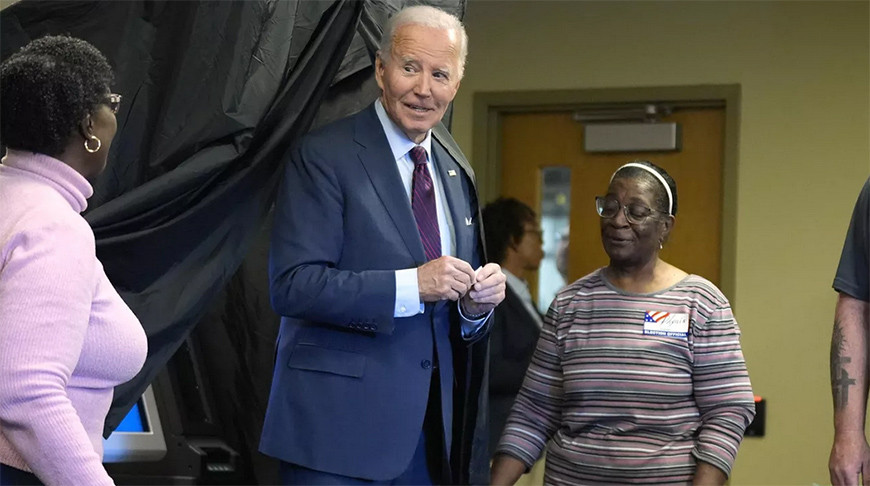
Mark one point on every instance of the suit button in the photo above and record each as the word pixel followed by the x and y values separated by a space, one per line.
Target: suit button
pixel 426 364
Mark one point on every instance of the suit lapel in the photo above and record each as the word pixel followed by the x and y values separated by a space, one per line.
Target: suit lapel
pixel 441 136
pixel 377 158
pixel 450 174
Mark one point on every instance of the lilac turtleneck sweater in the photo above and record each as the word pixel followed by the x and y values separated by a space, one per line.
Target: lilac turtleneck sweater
pixel 66 337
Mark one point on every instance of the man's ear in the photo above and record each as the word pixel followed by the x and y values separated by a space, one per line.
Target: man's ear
pixel 379 70
pixel 513 243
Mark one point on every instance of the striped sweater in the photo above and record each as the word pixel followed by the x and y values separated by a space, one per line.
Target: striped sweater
pixel 633 388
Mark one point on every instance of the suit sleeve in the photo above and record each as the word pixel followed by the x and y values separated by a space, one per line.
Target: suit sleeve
pixel 507 366
pixel 307 241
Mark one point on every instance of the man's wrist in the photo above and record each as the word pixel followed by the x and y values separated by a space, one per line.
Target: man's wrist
pixel 472 316
pixel 848 431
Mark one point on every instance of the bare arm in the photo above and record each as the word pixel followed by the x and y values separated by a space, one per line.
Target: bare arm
pixel 506 470
pixel 850 454
pixel 707 474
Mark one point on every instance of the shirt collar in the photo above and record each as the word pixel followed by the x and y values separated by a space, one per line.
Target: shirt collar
pixel 400 144
pixel 66 181
pixel 519 285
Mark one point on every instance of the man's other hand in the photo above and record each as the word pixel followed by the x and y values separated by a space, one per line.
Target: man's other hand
pixel 486 292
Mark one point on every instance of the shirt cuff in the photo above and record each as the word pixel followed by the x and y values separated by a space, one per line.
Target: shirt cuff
pixel 407 294
pixel 470 326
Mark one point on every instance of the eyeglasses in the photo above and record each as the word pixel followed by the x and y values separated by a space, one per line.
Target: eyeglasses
pixel 635 213
pixel 113 101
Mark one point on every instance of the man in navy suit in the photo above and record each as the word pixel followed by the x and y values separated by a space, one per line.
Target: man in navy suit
pixel 376 268
pixel 514 241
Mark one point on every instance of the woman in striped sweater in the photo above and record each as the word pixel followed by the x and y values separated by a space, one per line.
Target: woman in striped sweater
pixel 638 376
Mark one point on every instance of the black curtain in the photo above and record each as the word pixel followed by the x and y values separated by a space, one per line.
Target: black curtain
pixel 214 93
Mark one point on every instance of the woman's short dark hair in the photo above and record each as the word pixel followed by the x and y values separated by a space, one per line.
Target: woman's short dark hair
pixel 46 89
pixel 661 196
pixel 504 221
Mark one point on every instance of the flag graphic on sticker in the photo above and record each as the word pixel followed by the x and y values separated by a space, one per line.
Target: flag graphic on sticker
pixel 660 323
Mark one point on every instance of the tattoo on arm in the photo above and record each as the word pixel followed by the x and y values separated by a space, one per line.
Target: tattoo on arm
pixel 840 381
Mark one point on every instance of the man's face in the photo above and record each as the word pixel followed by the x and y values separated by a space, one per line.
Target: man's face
pixel 420 78
pixel 530 246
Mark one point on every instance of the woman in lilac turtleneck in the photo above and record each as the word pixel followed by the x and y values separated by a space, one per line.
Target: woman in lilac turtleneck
pixel 66 337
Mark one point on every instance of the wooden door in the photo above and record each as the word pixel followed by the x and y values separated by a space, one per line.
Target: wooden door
pixel 531 142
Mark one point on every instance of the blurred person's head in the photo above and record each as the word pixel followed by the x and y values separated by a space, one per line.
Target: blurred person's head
pixel 637 213
pixel 562 254
pixel 55 99
pixel 513 235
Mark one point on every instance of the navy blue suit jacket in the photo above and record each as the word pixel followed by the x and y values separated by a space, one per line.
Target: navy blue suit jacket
pixel 513 340
pixel 351 382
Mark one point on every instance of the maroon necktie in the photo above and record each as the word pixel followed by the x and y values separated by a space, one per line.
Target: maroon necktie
pixel 423 205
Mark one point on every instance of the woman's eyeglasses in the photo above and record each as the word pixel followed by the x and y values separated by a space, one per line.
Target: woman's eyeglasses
pixel 635 213
pixel 113 101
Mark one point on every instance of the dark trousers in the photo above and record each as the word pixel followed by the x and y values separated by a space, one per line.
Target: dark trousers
pixel 429 465
pixel 10 476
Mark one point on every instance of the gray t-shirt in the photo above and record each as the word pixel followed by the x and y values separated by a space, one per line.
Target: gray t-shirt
pixel 853 273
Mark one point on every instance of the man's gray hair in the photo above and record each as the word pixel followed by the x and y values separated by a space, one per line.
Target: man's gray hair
pixel 429 17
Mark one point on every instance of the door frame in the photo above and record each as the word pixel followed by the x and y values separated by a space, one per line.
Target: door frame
pixel 489 107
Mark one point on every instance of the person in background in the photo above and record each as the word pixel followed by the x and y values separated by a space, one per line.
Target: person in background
pixel 66 337
pixel 850 455
pixel 377 269
pixel 562 249
pixel 513 240
pixel 638 376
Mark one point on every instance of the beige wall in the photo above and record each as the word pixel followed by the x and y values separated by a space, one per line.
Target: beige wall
pixel 804 69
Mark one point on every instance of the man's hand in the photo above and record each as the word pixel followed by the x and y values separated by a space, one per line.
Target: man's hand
pixel 445 278
pixel 486 293
pixel 850 457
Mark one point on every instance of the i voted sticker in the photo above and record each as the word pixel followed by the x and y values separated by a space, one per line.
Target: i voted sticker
pixel 660 323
